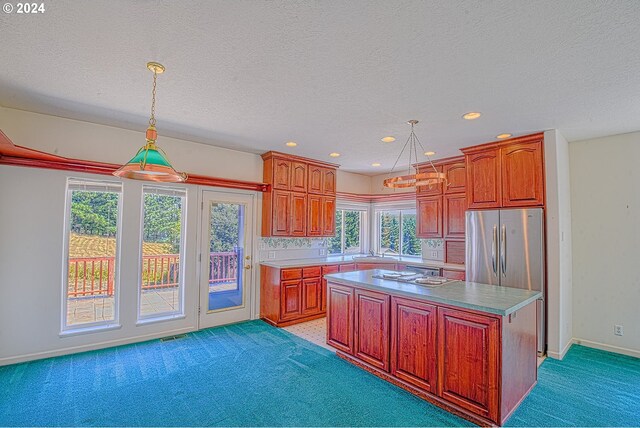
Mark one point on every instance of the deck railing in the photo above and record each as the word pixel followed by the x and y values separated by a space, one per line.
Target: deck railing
pixel 95 276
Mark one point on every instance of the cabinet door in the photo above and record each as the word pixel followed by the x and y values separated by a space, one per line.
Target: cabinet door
pixel 454 252
pixel 454 215
pixel 328 216
pixel 340 317
pixel 453 274
pixel 281 217
pixel 456 177
pixel 347 267
pixel 468 361
pixel 372 328
pixel 298 176
pixel 369 266
pixel 298 214
pixel 431 189
pixel 522 175
pixel 323 289
pixel 329 182
pixel 311 296
pixel 429 217
pixel 281 174
pixel 316 178
pixel 483 179
pixel 314 220
pixel 290 299
pixel 413 342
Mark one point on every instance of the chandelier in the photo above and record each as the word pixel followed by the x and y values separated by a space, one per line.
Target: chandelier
pixel 151 163
pixel 416 179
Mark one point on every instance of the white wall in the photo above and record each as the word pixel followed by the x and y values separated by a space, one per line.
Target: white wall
pixel 605 185
pixel 559 244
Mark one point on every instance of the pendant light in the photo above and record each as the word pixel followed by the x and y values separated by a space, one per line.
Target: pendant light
pixel 416 179
pixel 150 163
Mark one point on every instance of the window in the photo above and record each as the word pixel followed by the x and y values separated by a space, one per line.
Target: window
pixel 397 232
pixel 161 279
pixel 92 241
pixel 348 237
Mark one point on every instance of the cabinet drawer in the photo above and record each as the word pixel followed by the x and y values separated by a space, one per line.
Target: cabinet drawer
pixel 453 274
pixel 286 274
pixel 347 267
pixel 311 272
pixel 330 269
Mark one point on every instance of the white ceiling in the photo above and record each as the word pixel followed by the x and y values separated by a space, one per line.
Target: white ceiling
pixel 331 75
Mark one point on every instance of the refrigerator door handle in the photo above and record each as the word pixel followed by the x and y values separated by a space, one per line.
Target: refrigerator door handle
pixel 494 261
pixel 503 250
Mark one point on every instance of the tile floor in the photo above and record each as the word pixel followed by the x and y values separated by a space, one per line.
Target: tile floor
pixel 314 331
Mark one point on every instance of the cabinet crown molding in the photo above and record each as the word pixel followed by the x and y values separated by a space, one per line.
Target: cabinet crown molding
pixel 295 158
pixel 502 143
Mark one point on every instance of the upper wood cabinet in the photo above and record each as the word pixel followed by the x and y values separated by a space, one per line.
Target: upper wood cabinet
pixel 508 173
pixel 431 189
pixel 429 217
pixel 288 208
pixel 454 207
pixel 522 175
pixel 483 178
pixel 456 177
pixel 298 176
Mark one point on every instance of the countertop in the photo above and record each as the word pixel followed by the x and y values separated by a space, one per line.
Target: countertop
pixel 335 260
pixel 464 294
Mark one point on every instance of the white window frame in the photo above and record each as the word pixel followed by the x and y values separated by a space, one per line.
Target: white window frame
pixel 375 230
pixel 179 313
pixel 83 184
pixel 365 210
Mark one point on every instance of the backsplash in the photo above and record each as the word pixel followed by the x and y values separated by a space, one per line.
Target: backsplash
pixel 432 249
pixel 292 248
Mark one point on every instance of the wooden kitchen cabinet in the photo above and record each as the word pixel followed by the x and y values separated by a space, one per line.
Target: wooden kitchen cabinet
pixel 431 189
pixel 298 181
pixel 454 274
pixel 371 316
pixel 347 267
pixel 454 208
pixel 455 177
pixel 291 306
pixel 340 317
pixel 508 173
pixel 454 252
pixel 483 179
pixel 301 197
pixel 469 361
pixel 311 295
pixel 325 271
pixel 413 342
pixel 298 214
pixel 522 175
pixel 369 266
pixel 429 217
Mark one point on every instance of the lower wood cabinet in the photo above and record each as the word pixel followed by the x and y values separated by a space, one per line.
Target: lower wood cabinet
pixel 369 266
pixel 311 295
pixel 372 328
pixel 469 361
pixel 327 270
pixel 340 330
pixel 290 304
pixel 413 342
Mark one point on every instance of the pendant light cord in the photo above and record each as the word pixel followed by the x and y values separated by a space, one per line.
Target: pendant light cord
pixel 152 119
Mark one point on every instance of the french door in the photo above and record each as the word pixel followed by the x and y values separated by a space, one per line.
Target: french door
pixel 226 258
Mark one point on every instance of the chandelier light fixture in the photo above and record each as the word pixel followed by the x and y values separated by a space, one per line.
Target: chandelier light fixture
pixel 414 179
pixel 151 163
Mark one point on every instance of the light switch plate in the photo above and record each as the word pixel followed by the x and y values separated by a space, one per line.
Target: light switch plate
pixel 323 251
pixel 272 255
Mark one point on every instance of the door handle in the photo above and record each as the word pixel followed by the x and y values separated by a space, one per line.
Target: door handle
pixel 503 250
pixel 494 262
pixel 247 266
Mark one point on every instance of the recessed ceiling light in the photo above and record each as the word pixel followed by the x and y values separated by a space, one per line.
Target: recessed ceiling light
pixel 375 164
pixel 334 154
pixel 503 136
pixel 290 144
pixel 472 115
pixel 429 153
pixel 388 139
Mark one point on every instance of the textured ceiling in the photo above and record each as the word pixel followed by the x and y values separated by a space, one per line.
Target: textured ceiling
pixel 331 75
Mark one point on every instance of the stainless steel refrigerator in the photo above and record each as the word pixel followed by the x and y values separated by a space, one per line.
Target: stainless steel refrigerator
pixel 506 248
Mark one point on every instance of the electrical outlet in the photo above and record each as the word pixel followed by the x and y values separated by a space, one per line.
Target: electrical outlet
pixel 434 254
pixel 272 254
pixel 323 251
pixel 618 330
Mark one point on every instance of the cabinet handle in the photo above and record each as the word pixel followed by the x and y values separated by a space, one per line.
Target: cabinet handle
pixel 503 252
pixel 494 263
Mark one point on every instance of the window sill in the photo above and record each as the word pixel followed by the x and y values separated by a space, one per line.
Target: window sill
pixel 146 321
pixel 88 330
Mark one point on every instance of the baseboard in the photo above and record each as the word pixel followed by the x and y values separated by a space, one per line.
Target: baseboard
pixel 93 346
pixel 560 355
pixel 605 347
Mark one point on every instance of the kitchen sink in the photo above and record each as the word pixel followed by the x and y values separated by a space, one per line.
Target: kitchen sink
pixel 374 258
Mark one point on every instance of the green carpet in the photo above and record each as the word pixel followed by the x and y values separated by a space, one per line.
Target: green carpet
pixel 256 375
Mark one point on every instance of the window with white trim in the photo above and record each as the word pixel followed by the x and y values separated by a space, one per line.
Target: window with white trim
pixel 161 286
pixel 92 230
pixel 396 232
pixel 349 237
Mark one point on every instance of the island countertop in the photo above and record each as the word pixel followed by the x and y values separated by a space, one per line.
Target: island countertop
pixel 464 294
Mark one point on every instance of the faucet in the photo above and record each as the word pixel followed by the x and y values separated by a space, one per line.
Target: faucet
pixel 371 253
pixel 389 250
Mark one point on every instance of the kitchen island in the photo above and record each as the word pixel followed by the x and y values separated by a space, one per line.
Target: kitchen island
pixel 467 347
